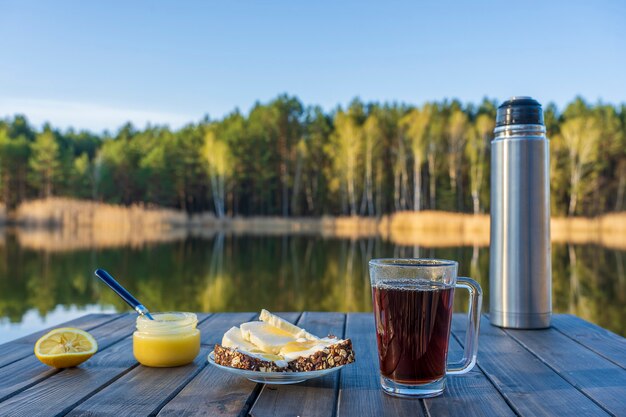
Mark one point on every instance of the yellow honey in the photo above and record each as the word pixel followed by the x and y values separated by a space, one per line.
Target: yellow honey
pixel 171 339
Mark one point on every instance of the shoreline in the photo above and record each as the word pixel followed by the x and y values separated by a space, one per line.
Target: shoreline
pixel 67 224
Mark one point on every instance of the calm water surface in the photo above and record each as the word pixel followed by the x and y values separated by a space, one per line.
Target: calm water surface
pixel 41 288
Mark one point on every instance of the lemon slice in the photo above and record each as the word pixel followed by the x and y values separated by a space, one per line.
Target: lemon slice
pixel 65 347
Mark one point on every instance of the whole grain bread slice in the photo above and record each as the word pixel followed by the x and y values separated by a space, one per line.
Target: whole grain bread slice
pixel 338 354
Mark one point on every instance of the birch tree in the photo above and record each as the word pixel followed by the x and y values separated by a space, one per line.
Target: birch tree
pixel 372 138
pixel 400 173
pixel 581 137
pixel 477 139
pixel 344 151
pixel 217 155
pixel 415 125
pixel 457 136
pixel 435 143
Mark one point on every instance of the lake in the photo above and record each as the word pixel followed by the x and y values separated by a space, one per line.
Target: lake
pixel 41 287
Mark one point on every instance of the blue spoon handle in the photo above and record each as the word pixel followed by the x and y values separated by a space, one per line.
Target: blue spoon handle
pixel 123 293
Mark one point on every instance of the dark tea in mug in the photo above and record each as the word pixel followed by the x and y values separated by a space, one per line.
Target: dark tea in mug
pixel 413 312
pixel 412 329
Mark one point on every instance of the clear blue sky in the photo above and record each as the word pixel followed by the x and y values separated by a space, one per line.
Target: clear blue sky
pixel 94 64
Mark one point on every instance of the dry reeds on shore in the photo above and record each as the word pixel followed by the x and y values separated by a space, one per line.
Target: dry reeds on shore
pixel 67 224
pixel 77 214
pixel 436 229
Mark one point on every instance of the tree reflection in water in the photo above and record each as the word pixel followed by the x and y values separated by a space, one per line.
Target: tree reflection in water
pixel 281 273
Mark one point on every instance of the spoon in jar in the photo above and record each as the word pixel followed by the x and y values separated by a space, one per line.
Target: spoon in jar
pixel 123 293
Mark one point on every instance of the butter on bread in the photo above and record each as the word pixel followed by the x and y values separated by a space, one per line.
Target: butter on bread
pixel 275 345
pixel 283 324
pixel 265 337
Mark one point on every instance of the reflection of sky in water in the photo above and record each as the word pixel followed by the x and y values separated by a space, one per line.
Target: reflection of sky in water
pixel 33 321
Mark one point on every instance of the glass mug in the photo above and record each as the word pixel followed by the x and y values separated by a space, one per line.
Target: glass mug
pixel 413 312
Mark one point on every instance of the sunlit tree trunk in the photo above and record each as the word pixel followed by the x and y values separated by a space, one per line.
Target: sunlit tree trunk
pixel 379 189
pixel 581 136
pixel 432 178
pixel 366 199
pixel 396 189
pixel 284 175
pixel 404 191
pixel 416 125
pixel 296 181
pixel 457 127
pixel 417 184
pixel 574 184
pixel 218 157
pixel 477 139
pixel 346 140
pixel 350 182
pixel 372 136
pixel 400 176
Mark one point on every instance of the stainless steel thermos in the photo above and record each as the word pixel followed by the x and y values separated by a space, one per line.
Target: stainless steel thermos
pixel 520 272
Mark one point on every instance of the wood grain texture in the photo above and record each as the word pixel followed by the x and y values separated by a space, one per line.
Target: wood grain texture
pixel 317 397
pixel 471 394
pixel 25 372
pixel 592 374
pixel 359 384
pixel 601 341
pixel 528 384
pixel 140 392
pixel 63 390
pixel 575 368
pixel 214 392
pixel 143 390
pixel 22 347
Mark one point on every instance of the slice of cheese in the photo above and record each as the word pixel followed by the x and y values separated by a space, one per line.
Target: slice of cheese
pixel 233 339
pixel 268 338
pixel 283 324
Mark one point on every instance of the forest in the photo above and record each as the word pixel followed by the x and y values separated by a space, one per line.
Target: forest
pixel 285 158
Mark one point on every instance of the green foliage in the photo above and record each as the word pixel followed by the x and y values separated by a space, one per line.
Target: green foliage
pixel 14 156
pixel 45 163
pixel 286 159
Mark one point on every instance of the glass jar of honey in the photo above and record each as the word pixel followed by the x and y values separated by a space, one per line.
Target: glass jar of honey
pixel 171 339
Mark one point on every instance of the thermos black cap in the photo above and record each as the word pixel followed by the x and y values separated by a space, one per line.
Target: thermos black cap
pixel 519 110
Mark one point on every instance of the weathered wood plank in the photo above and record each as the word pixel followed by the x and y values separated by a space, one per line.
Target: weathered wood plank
pixel 528 384
pixel 596 376
pixel 25 372
pixel 601 341
pixel 471 394
pixel 23 346
pixel 359 385
pixel 62 391
pixel 312 398
pixel 215 392
pixel 537 372
pixel 144 390
pixel 141 391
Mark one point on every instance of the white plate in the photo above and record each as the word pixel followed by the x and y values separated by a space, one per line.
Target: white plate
pixel 280 378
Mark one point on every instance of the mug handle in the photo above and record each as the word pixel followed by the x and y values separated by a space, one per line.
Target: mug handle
pixel 470 348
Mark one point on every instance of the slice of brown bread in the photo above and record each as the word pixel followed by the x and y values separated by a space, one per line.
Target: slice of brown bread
pixel 332 356
pixel 335 355
pixel 235 359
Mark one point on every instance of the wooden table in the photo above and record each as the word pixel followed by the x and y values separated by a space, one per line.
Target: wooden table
pixel 572 369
